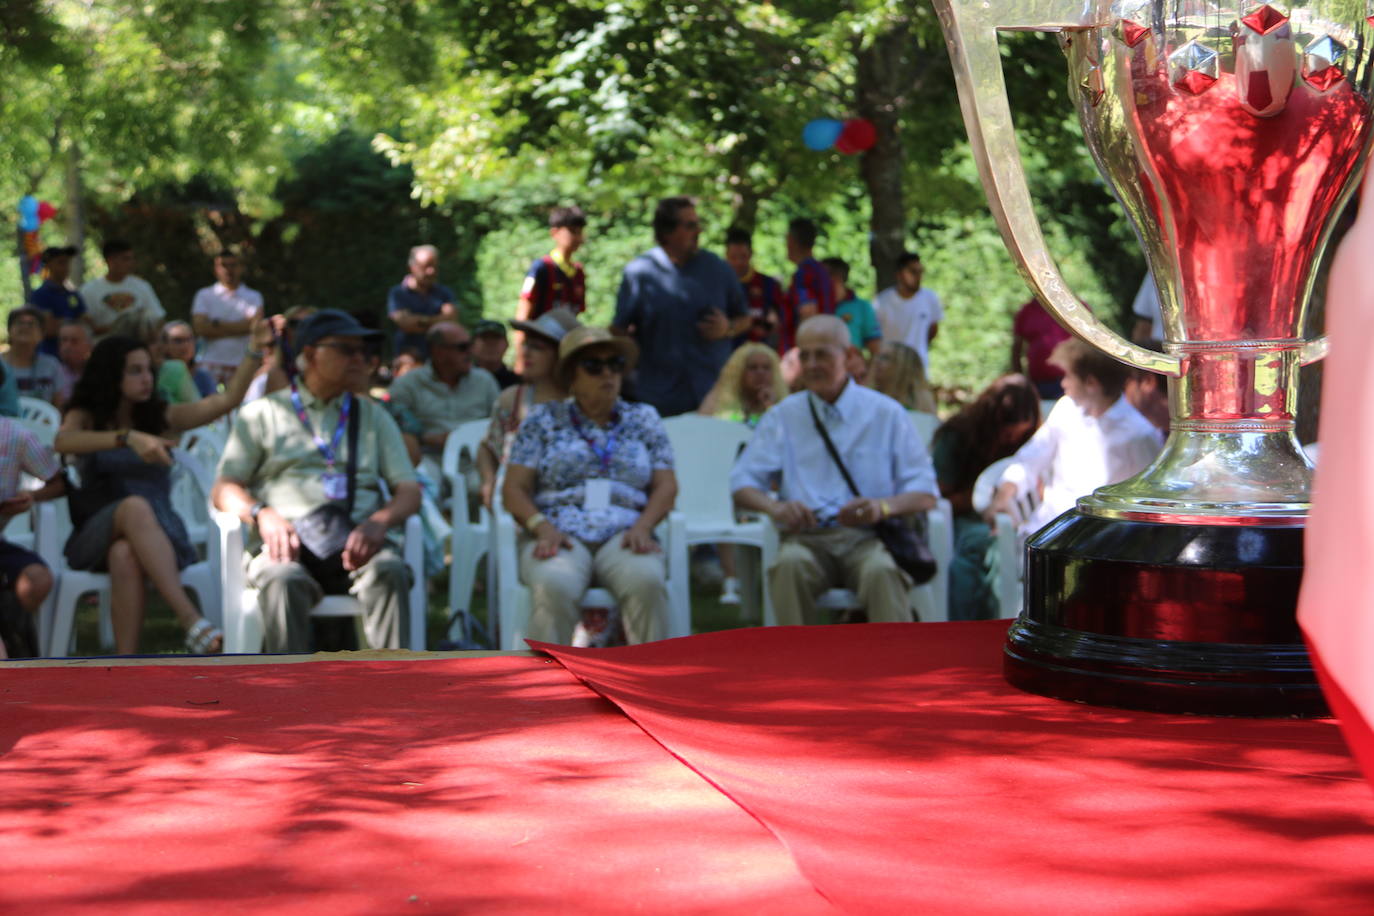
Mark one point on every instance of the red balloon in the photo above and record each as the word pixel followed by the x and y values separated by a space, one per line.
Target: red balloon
pixel 857 136
pixel 46 211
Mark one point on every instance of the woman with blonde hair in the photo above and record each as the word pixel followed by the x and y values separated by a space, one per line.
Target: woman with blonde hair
pixel 750 382
pixel 899 373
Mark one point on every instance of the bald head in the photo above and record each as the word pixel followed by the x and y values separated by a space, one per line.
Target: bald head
pixel 824 329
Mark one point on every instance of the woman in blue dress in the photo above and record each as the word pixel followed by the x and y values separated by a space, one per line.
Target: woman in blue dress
pixel 122 516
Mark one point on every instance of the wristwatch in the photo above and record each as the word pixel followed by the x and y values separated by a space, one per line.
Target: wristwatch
pixel 253 512
pixel 121 438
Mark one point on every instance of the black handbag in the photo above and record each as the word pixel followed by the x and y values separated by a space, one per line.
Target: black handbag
pixel 907 545
pixel 324 531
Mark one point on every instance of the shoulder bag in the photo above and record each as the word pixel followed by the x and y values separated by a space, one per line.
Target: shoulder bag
pixel 907 545
pixel 324 531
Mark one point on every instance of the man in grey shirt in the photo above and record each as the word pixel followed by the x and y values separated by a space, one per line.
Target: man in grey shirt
pixel 683 306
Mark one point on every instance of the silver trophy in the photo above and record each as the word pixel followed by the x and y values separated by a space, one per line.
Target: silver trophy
pixel 1233 134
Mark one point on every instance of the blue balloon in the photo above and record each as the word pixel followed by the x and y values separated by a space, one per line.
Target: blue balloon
pixel 821 133
pixel 28 213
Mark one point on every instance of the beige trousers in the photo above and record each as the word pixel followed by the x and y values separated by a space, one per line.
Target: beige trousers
pixel 811 562
pixel 287 594
pixel 637 580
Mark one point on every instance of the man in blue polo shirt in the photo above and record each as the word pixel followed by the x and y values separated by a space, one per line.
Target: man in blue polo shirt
pixel 682 305
pixel 419 301
pixel 55 298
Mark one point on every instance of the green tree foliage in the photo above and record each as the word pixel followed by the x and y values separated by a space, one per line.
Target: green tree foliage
pixel 491 113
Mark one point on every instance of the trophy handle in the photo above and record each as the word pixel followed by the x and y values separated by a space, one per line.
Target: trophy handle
pixel 1313 350
pixel 970 28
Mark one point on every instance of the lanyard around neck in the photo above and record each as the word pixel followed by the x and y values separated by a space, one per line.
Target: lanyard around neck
pixel 330 450
pixel 602 453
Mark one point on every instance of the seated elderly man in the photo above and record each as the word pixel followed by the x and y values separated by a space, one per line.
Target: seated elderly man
pixel 828 537
pixel 288 457
pixel 448 390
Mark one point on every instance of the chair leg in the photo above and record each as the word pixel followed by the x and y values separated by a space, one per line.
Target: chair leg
pixel 64 620
pixel 107 639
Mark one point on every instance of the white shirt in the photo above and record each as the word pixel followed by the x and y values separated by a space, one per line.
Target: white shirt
pixel 872 433
pixel 219 303
pixel 908 320
pixel 107 300
pixel 1146 307
pixel 1073 454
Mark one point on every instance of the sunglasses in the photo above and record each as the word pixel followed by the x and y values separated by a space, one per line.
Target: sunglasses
pixel 593 365
pixel 346 350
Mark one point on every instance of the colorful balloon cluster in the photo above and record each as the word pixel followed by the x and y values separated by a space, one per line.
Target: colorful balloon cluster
pixel 33 213
pixel 856 135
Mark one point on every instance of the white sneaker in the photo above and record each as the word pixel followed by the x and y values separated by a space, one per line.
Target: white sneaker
pixel 729 591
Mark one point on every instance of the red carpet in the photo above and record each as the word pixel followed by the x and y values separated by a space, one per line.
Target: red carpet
pixel 906 777
pixel 474 785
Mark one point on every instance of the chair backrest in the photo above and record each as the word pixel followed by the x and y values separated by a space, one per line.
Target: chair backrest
pixel 985 488
pixel 467 437
pixel 191 485
pixel 926 424
pixel 41 418
pixel 704 451
pixel 206 443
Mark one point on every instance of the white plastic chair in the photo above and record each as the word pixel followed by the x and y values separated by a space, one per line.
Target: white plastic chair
pixel 926 424
pixel 41 418
pixel 930 600
pixel 58 617
pixel 704 451
pixel 243 630
pixel 513 601
pixel 469 542
pixel 1007 587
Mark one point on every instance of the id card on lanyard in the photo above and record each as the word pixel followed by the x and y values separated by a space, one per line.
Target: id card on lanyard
pixel 597 490
pixel 335 483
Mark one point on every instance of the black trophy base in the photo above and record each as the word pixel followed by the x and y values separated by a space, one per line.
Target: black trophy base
pixel 1170 618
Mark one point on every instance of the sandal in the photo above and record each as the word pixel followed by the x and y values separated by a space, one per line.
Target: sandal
pixel 202 635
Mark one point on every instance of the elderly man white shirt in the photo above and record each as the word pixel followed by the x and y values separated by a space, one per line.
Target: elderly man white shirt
pixel 879 446
pixel 1074 453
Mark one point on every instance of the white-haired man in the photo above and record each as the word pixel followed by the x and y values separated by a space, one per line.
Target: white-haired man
pixel 419 301
pixel 828 538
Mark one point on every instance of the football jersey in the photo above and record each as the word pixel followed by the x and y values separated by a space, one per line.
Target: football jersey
pixel 551 284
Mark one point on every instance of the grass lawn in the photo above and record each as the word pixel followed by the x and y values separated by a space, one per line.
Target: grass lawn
pixel 162 635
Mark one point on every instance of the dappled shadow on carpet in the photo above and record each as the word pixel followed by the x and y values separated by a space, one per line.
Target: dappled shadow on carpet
pixel 494 784
pixel 906 776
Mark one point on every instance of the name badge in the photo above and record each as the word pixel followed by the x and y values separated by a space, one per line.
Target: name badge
pixel 335 485
pixel 598 494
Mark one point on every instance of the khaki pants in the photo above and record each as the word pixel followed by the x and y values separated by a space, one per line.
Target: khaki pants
pixel 637 580
pixel 811 562
pixel 287 593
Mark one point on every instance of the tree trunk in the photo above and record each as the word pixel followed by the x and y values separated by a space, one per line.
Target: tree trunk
pixel 746 206
pixel 884 78
pixel 74 213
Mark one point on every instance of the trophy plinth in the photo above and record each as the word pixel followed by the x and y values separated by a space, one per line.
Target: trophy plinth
pixel 1165 617
pixel 1232 135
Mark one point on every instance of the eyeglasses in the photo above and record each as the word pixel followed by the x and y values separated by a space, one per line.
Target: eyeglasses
pixel 181 339
pixel 593 365
pixel 346 350
pixel 690 225
pixel 463 347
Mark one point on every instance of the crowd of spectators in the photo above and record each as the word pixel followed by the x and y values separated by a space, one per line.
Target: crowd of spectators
pixel 328 453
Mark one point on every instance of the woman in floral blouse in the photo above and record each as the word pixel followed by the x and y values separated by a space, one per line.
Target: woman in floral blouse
pixel 589 478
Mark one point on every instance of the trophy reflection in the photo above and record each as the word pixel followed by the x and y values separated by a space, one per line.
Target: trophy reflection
pixel 1232 135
